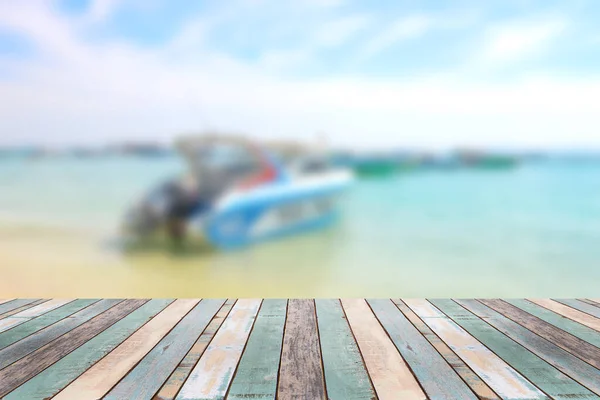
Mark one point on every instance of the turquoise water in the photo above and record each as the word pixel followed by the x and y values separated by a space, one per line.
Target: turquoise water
pixel 533 230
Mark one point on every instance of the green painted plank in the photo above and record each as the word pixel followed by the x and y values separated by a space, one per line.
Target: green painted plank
pixel 568 325
pixel 33 342
pixel 14 304
pixel 256 375
pixel 561 359
pixel 153 370
pixel 21 331
pixel 172 386
pixel 436 376
pixel 581 306
pixel 346 376
pixel 477 385
pixel 50 381
pixel 540 373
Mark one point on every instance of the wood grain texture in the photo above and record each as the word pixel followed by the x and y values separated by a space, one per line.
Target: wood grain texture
pixel 143 381
pixel 569 312
pixel 346 376
pixel 33 342
pixel 30 313
pixel 32 364
pixel 54 378
pixel 256 375
pixel 99 379
pixel 301 372
pixel 17 333
pixel 498 374
pixel 214 371
pixel 391 377
pixel 24 305
pixel 581 306
pixel 477 385
pixel 570 343
pixel 172 386
pixel 561 359
pixel 549 379
pixel 437 378
pixel 12 304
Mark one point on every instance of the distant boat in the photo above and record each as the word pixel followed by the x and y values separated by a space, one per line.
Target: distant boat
pixel 482 160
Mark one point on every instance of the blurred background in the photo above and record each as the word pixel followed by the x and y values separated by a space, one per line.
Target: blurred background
pixel 459 143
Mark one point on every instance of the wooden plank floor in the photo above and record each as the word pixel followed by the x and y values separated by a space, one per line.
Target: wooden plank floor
pixel 349 349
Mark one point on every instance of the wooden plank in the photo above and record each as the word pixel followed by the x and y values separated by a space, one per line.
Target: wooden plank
pixel 581 306
pixel 32 364
pixel 54 378
pixel 391 377
pixel 346 376
pixel 477 385
pixel 570 343
pixel 2 301
pixel 561 359
pixel 569 312
pixel 437 378
pixel 23 306
pixel 256 375
pixel 33 342
pixel 11 305
pixel 214 371
pixel 300 371
pixel 172 386
pixel 17 333
pixel 590 301
pixel 30 313
pixel 152 371
pixel 498 374
pixel 549 379
pixel 99 379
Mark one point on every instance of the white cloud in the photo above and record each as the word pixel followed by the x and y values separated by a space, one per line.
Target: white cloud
pixel 337 32
pixel 513 41
pixel 406 28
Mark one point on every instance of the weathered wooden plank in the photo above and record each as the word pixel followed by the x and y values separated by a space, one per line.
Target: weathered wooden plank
pixel 54 378
pixel 346 376
pixel 30 313
pixel 172 386
pixel 32 364
pixel 27 303
pixel 572 344
pixel 99 379
pixel 11 305
pixel 581 306
pixel 300 371
pixel 569 312
pixel 591 301
pixel 152 371
pixel 549 379
pixel 391 377
pixel 19 332
pixel 33 342
pixel 214 371
pixel 437 378
pixel 2 301
pixel 477 385
pixel 561 359
pixel 499 375
pixel 256 375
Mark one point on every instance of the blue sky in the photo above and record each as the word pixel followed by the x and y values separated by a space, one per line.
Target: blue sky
pixel 503 73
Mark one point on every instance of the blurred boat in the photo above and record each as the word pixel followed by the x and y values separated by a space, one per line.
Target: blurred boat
pixel 483 160
pixel 367 166
pixel 239 192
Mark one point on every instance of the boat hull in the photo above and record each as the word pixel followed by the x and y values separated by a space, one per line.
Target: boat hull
pixel 273 214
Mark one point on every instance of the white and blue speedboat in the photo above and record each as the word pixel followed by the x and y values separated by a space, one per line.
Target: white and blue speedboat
pixel 238 193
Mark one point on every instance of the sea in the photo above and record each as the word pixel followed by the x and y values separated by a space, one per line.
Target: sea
pixel 528 231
